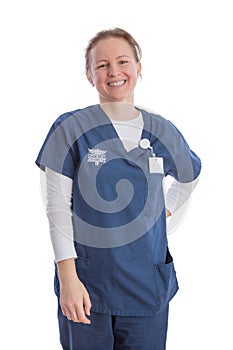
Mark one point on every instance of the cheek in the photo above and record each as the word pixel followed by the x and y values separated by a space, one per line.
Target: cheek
pixel 133 72
pixel 99 78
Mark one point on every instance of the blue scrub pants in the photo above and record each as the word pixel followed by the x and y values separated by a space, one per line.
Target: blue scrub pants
pixel 108 332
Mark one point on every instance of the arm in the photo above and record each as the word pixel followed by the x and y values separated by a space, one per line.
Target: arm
pixel 74 299
pixel 58 208
pixel 178 194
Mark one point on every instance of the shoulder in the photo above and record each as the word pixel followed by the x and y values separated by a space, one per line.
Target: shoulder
pixel 153 116
pixel 71 115
pixel 158 121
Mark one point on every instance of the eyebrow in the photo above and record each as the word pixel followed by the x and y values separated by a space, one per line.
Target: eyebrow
pixel 104 60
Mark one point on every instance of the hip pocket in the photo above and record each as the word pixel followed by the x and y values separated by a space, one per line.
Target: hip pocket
pixel 56 282
pixel 82 267
pixel 166 282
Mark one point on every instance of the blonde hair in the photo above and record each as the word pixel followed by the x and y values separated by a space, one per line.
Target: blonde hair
pixel 113 33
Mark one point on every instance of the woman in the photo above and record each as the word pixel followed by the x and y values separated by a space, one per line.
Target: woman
pixel 105 166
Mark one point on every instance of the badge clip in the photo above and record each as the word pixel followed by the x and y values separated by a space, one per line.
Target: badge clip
pixel 145 144
pixel 155 163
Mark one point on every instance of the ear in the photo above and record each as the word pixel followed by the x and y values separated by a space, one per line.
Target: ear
pixel 89 78
pixel 139 69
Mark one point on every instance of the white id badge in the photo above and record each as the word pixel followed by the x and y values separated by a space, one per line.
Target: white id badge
pixel 156 165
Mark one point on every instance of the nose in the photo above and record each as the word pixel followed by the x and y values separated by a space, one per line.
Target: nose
pixel 113 70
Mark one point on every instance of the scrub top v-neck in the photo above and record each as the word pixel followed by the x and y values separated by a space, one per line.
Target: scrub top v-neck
pixel 135 151
pixel 118 207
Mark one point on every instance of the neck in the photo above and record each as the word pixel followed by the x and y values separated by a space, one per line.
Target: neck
pixel 120 110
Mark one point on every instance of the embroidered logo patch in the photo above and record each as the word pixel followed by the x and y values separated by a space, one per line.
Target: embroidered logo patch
pixel 96 156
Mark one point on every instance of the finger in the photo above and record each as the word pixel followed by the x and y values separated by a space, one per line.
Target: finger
pixel 74 316
pixel 81 315
pixel 65 312
pixel 87 304
pixel 70 313
pixel 87 309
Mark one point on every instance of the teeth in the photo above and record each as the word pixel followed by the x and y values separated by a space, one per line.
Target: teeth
pixel 117 83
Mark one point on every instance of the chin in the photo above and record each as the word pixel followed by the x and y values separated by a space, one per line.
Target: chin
pixel 120 98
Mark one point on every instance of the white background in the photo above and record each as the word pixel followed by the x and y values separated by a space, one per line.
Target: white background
pixel 187 78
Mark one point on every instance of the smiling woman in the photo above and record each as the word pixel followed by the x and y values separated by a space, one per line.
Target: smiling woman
pixel 105 166
pixel 113 70
pixel 113 65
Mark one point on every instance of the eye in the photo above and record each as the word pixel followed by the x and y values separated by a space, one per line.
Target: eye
pixel 123 62
pixel 101 66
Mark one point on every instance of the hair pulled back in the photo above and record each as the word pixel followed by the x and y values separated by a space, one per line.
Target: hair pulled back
pixel 113 33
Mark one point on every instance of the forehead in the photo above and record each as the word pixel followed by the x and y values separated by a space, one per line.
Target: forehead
pixel 111 48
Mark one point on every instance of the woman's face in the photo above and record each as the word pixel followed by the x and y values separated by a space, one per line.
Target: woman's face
pixel 113 70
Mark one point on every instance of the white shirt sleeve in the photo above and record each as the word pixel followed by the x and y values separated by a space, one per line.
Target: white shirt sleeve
pixel 178 193
pixel 58 191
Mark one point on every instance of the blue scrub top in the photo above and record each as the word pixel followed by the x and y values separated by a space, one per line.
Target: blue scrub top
pixel 119 216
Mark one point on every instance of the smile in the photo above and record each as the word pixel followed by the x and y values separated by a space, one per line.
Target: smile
pixel 117 83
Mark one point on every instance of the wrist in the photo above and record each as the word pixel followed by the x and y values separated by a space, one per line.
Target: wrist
pixel 66 270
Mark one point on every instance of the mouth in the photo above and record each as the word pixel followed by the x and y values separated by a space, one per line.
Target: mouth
pixel 117 83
